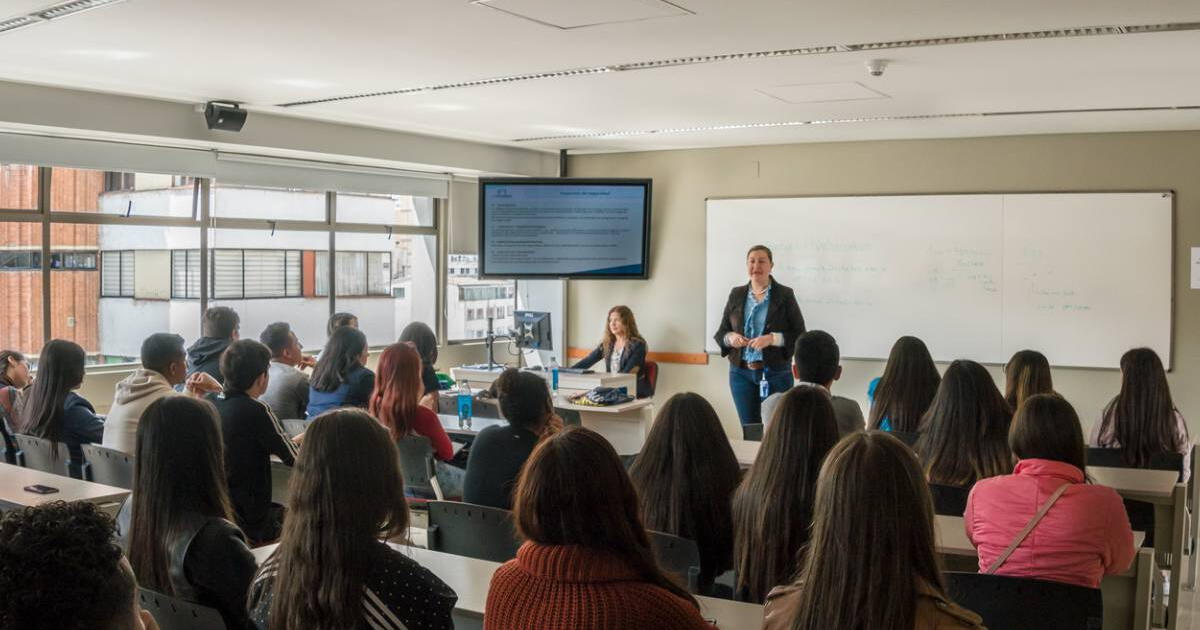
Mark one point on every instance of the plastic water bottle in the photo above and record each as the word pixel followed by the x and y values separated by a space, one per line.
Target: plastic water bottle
pixel 764 388
pixel 464 405
pixel 554 375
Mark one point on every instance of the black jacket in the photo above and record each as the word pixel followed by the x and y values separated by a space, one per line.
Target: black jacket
pixel 783 316
pixel 495 462
pixel 205 356
pixel 633 361
pixel 252 435
pixel 208 563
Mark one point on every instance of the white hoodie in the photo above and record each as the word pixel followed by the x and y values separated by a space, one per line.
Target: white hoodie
pixel 133 395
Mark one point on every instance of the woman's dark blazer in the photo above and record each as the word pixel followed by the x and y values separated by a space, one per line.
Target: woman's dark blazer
pixel 633 361
pixel 783 316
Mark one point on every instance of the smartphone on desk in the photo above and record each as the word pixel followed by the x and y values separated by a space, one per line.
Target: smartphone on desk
pixel 40 489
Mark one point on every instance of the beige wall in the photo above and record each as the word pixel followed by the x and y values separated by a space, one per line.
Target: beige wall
pixel 670 306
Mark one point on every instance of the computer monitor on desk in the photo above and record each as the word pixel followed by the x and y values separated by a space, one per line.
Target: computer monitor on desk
pixel 531 330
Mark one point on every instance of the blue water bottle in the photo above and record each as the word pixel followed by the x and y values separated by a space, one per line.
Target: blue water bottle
pixel 764 388
pixel 554 375
pixel 464 405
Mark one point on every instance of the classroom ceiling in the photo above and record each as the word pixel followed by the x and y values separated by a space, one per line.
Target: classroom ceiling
pixel 269 53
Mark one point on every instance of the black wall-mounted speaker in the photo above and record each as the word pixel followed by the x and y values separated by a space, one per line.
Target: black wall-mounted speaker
pixel 224 116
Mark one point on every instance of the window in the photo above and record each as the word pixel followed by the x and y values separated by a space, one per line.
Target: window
pixel 261 202
pixel 384 209
pixel 358 273
pixel 117 273
pixel 129 195
pixel 18 187
pixel 21 287
pixel 469 301
pixel 185 273
pixel 240 273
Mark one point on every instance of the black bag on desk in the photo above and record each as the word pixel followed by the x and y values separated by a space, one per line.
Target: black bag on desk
pixel 603 397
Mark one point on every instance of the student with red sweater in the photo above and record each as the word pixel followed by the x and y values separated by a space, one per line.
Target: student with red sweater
pixel 1083 536
pixel 396 403
pixel 586 563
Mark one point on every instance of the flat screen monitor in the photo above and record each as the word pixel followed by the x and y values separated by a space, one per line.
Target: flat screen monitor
pixel 564 228
pixel 531 330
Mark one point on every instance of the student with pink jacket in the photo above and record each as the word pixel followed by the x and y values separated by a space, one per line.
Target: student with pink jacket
pixel 1083 533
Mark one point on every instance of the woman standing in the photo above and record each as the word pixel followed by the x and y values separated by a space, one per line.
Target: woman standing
pixel 621 348
pixel 759 327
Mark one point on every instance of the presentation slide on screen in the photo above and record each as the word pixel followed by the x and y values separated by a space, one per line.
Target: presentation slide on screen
pixel 563 230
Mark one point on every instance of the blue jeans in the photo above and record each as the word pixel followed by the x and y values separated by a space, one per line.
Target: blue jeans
pixel 743 384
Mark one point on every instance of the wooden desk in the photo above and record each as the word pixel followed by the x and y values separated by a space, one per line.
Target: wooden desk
pixel 13 480
pixel 470 578
pixel 482 378
pixel 450 424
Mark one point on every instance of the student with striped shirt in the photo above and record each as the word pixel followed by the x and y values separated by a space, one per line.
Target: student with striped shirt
pixel 332 568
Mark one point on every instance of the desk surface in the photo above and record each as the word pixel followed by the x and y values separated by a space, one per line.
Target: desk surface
pixel 745 450
pixel 450 424
pixel 1135 483
pixel 951 535
pixel 13 480
pixel 471 577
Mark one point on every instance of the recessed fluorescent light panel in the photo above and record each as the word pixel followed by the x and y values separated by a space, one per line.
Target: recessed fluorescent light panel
pixel 53 12
pixel 850 121
pixel 823 92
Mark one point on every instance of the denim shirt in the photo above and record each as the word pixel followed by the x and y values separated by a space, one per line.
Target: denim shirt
pixel 756 321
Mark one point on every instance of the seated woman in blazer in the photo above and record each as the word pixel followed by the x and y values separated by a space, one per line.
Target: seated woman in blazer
pixel 622 349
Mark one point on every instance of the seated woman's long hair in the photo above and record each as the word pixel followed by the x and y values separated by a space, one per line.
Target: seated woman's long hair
pixel 906 388
pixel 964 435
pixel 398 389
pixel 573 490
pixel 346 494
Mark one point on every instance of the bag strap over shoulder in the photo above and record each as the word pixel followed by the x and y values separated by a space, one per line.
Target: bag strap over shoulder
pixel 1028 528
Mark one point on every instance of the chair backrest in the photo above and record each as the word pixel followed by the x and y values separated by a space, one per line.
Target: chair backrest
pixel 294 427
pixel 1012 603
pixel 173 613
pixel 1111 458
pixel 651 368
pixel 752 432
pixel 677 555
pixel 38 454
pixel 416 463
pixel 906 437
pixel 949 500
pixel 108 466
pixel 475 531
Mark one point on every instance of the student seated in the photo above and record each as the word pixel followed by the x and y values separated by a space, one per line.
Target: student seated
pixel 621 348
pixel 685 477
pixel 14 370
pixel 1026 374
pixel 341 378
pixel 252 435
pixel 220 329
pixel 1083 537
pixel 338 320
pixel 422 337
pixel 816 361
pixel 287 392
pixel 964 435
pixel 1142 420
pixel 900 397
pixel 50 409
pixel 177 526
pixel 773 505
pixel 586 563
pixel 498 452
pixel 332 568
pixel 396 403
pixel 164 367
pixel 871 563
pixel 60 569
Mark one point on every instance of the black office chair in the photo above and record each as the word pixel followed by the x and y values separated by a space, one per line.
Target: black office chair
pixel 949 500
pixel 173 613
pixel 107 466
pixel 1011 603
pixel 752 432
pixel 679 556
pixel 420 474
pixel 37 453
pixel 1141 514
pixel 908 438
pixel 475 531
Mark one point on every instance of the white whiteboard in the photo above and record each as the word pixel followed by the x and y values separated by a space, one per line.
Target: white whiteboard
pixel 1079 277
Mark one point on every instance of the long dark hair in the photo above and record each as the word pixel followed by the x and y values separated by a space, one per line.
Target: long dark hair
pixel 1141 419
pixel 964 435
pixel 60 370
pixel 908 384
pixel 7 358
pixel 573 490
pixel 340 356
pixel 872 545
pixel 685 477
pixel 1047 427
pixel 1026 374
pixel 609 340
pixel 524 399
pixel 423 337
pixel 179 473
pixel 774 503
pixel 397 389
pixel 347 494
